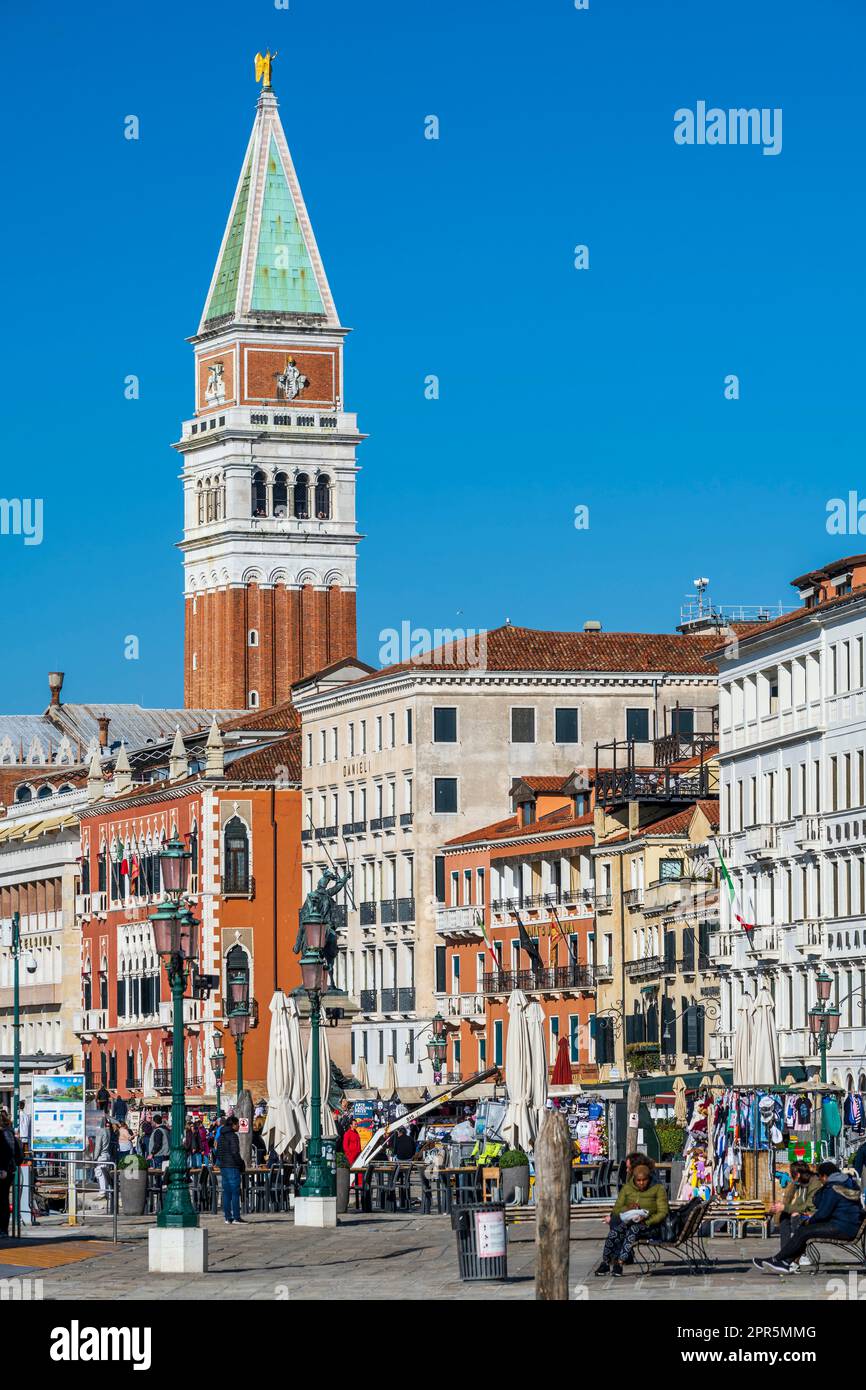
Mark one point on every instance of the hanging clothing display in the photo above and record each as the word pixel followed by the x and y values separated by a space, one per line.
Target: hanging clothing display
pixel 722 1126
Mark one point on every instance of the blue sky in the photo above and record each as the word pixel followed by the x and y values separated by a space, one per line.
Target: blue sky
pixel 455 257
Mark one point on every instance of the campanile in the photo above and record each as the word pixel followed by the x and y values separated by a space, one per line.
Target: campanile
pixel 270 539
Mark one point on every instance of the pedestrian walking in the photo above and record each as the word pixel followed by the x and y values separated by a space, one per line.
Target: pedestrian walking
pixel 24 1126
pixel 119 1109
pixel 231 1166
pixel 11 1154
pixel 838 1213
pixel 102 1155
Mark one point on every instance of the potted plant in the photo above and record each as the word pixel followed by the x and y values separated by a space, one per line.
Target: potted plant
pixel 514 1173
pixel 132 1184
pixel 671 1137
pixel 344 1177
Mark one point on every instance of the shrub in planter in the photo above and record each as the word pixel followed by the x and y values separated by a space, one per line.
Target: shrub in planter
pixel 671 1137
pixel 514 1173
pixel 132 1184
pixel 343 1181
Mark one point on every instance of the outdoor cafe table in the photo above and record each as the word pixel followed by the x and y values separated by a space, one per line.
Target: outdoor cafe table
pixel 451 1185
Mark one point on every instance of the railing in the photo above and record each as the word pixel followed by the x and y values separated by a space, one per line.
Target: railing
pixel 389 1001
pixel 406 999
pixel 633 898
pixel 809 933
pixel 306 835
pixel 367 1000
pixel 604 971
pixel 326 832
pixel 406 817
pixel 405 909
pixel 650 965
pixel 457 919
pixel 354 827
pixel 562 977
pixel 687 965
pixel 240 887
pixel 761 839
pixel 90 1021
pixel 673 748
pixel 82 904
pixel 132 1083
pixel 162 1079
pixel 465 1006
pixel 338 911
pixel 603 902
pixel 368 914
pixel 388 911
pixel 630 784
pixel 807 831
pixel 388 822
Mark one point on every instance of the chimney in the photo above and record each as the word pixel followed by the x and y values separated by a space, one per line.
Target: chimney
pixel 103 722
pixel 592 625
pixel 55 685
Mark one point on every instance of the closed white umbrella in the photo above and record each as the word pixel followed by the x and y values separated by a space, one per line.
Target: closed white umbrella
pixel 765 1043
pixel 743 1043
pixel 517 1126
pixel 389 1085
pixel 285 1124
pixel 329 1129
pixel 361 1073
pixel 681 1113
pixel 537 1065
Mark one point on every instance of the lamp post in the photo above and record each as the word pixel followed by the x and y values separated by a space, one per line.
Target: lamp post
pixel 437 1047
pixel 218 1064
pixel 238 1007
pixel 15 944
pixel 173 935
pixel 823 1019
pixel 319 1181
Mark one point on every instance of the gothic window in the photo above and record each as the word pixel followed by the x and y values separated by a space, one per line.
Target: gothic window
pixel 43 792
pixel 200 505
pixel 281 495
pixel 302 497
pixel 210 494
pixel 85 873
pixel 260 495
pixel 236 845
pixel 101 862
pixel 323 498
pixel 23 794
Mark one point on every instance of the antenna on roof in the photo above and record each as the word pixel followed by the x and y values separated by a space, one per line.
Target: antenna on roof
pixel 701 585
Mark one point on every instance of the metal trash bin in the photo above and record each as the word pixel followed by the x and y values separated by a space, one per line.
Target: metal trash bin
pixel 482 1245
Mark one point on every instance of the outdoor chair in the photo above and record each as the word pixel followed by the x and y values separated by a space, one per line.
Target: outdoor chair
pixel 597 1188
pixel 153 1192
pixel 686 1248
pixel 854 1247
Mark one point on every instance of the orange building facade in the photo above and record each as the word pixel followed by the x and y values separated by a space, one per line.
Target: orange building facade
pixel 533 871
pixel 242 829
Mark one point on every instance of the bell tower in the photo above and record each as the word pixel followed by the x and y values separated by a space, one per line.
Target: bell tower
pixel 269 539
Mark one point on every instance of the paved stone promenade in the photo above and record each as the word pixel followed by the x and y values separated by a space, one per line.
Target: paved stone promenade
pixel 374 1257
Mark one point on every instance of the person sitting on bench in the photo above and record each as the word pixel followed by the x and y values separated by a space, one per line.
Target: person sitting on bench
pixel 641 1206
pixel 837 1216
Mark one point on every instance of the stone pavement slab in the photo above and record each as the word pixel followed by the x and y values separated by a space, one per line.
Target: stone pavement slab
pixel 406 1257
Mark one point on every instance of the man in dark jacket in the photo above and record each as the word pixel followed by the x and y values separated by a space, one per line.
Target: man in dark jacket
pixel 11 1155
pixel 231 1165
pixel 838 1214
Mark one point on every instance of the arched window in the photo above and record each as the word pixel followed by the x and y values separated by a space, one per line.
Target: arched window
pixel 23 794
pixel 236 845
pixel 260 495
pixel 66 788
pixel 253 700
pixel 302 497
pixel 43 792
pixel 200 494
pixel 193 851
pixel 323 498
pixel 253 639
pixel 281 495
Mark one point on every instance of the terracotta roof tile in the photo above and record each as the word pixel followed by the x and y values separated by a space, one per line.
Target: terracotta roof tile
pixel 561 819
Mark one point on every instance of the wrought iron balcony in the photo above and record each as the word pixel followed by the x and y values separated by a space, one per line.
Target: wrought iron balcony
pixel 406 999
pixel 643 969
pixel 617 785
pixel 389 1001
pixel 603 902
pixel 406 817
pixel 675 748
pixel 558 978
pixel 162 1080
pixel 388 911
pixel 406 909
pixel 306 836
pixel 367 1000
pixel 633 898
pixel 368 914
pixel 326 832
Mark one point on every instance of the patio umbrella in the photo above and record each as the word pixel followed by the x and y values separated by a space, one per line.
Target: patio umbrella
pixel 362 1074
pixel 681 1113
pixel 562 1067
pixel 329 1129
pixel 516 1128
pixel 537 1063
pixel 285 1124
pixel 718 1085
pixel 743 1043
pixel 765 1042
pixel 389 1085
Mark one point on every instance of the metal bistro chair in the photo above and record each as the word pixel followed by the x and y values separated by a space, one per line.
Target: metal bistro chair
pixel 597 1187
pixel 153 1192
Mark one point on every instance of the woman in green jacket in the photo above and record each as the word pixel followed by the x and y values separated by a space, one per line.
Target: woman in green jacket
pixel 639 1194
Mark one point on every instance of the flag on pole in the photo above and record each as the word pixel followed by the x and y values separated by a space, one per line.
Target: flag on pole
pixel 742 912
pixel 479 922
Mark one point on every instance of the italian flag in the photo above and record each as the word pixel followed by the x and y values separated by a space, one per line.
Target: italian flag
pixel 744 913
pixel 479 922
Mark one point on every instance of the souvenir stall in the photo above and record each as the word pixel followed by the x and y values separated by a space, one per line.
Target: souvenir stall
pixel 853 1123
pixel 736 1137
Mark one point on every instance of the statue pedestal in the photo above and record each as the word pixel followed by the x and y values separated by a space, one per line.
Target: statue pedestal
pixel 316 1211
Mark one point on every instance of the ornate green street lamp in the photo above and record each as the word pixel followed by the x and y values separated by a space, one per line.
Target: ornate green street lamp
pixel 173 930
pixel 239 1010
pixel 823 1020
pixel 437 1047
pixel 218 1064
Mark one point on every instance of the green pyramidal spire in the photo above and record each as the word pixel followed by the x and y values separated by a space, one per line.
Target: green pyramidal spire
pixel 269 264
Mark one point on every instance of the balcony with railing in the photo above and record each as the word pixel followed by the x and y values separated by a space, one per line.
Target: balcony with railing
pixel 633 898
pixel 553 979
pixel 406 999
pixel 643 969
pixel 614 786
pixel 406 818
pixel 762 841
pixel 459 922
pixel 367 913
pixel 326 832
pixel 90 1021
pixel 354 827
pixel 604 971
pixel 464 1006
pixel 367 1001
pixel 603 902
pixel 809 934
pixel 389 1000
pixel 807 832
